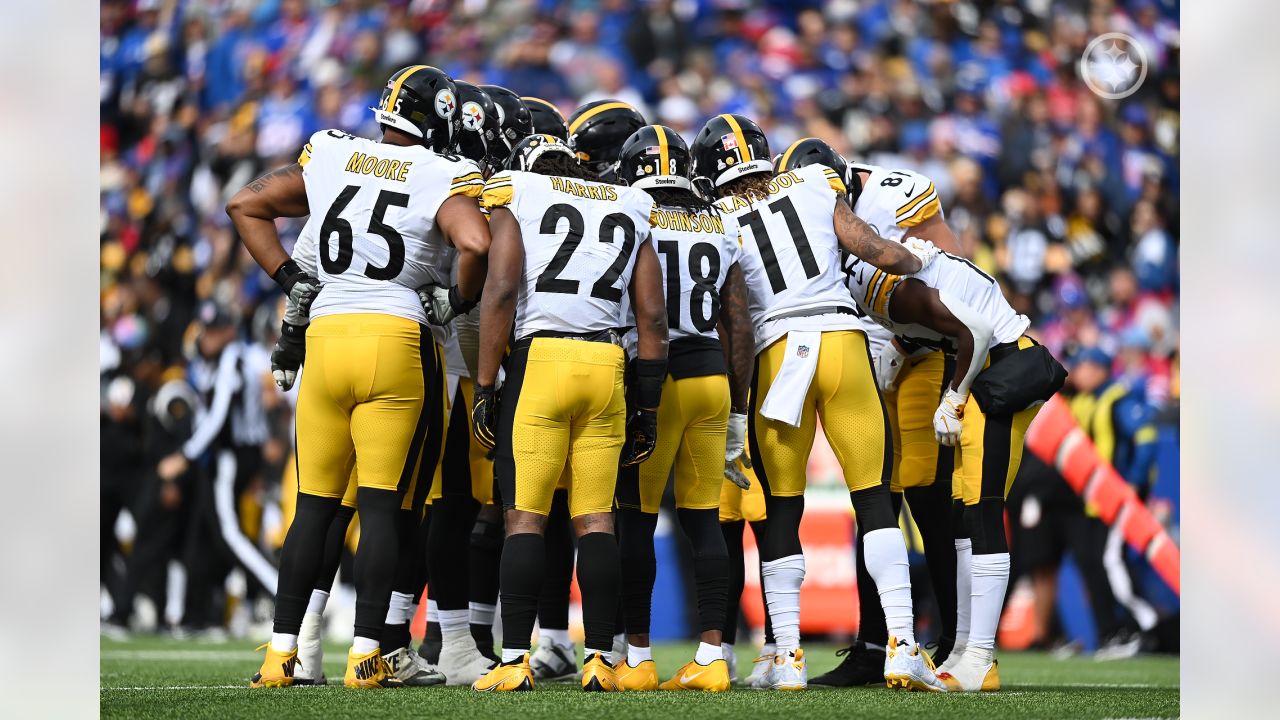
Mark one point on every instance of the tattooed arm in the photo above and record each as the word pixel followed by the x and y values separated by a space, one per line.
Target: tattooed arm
pixel 858 238
pixel 253 210
pixel 736 337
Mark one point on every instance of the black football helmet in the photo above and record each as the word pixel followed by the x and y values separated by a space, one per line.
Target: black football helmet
pixel 527 151
pixel 811 151
pixel 729 147
pixel 514 124
pixel 655 156
pixel 422 101
pixel 478 136
pixel 547 119
pixel 598 129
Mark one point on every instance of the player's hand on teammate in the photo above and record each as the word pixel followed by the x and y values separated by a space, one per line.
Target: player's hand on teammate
pixel 484 416
pixel 924 250
pixel 889 362
pixel 301 287
pixel 947 419
pixel 443 304
pixel 734 451
pixel 641 437
pixel 288 354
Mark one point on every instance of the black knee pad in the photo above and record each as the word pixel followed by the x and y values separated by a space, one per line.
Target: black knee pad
pixel 873 507
pixel 782 534
pixel 986 526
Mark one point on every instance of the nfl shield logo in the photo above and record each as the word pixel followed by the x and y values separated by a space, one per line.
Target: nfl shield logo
pixel 729 142
pixel 802 351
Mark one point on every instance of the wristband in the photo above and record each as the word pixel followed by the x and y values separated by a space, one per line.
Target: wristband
pixel 293 332
pixel 286 272
pixel 650 374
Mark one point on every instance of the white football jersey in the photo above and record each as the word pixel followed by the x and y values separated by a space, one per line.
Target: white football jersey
pixel 696 251
pixel 956 276
pixel 891 202
pixel 377 234
pixel 581 239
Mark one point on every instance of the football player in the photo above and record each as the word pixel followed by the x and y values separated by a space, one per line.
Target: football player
pixel 515 123
pixel 567 248
pixel 597 131
pixel 897 202
pixel 952 306
pixel 547 119
pixel 738 508
pixel 702 416
pixel 812 362
pixel 391 208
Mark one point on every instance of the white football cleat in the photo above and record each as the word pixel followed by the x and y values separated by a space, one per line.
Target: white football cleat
pixel 551 662
pixel 411 669
pixel 910 668
pixel 310 670
pixel 973 673
pixel 461 661
pixel 789 671
pixel 731 658
pixel 759 668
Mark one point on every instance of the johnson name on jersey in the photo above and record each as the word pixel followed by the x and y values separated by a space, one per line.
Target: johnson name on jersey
pixel 580 244
pixel 377 203
pixel 790 253
pixel 696 250
pixel 873 288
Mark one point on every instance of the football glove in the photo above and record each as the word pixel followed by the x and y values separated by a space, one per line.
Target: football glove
pixel 443 304
pixel 889 362
pixel 924 250
pixel 288 354
pixel 733 450
pixel 484 416
pixel 641 437
pixel 947 419
pixel 298 285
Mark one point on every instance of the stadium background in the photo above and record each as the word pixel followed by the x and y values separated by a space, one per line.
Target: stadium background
pixel 1070 200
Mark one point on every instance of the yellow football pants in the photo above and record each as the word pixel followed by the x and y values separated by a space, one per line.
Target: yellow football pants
pixel 738 504
pixel 918 459
pixel 843 395
pixel 990 450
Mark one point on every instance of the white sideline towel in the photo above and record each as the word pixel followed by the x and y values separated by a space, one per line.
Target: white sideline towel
pixel 785 400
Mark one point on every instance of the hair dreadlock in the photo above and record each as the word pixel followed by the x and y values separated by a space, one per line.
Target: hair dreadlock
pixel 752 187
pixel 561 165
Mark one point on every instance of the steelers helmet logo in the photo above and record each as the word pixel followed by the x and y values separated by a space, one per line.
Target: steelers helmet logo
pixel 472 116
pixel 446 103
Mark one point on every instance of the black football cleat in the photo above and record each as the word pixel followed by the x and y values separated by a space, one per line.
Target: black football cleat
pixel 861 666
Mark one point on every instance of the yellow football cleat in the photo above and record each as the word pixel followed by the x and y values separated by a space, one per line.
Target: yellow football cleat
pixel 969 675
pixel 516 677
pixel 277 669
pixel 370 671
pixel 598 675
pixel 707 678
pixel 641 677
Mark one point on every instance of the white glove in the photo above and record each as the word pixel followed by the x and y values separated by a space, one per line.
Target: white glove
pixel 924 250
pixel 443 304
pixel 733 451
pixel 947 418
pixel 889 362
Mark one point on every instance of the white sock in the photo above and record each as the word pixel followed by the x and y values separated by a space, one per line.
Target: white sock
pixel 482 613
pixel 726 649
pixel 990 580
pixel 637 655
pixel 964 585
pixel 554 636
pixel 782 579
pixel 454 622
pixel 433 611
pixel 708 653
pixel 319 599
pixel 768 649
pixel 606 654
pixel 399 608
pixel 363 645
pixel 284 642
pixel 512 654
pixel 886 555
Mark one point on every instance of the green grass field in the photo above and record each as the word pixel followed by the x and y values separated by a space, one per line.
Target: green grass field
pixel 155 678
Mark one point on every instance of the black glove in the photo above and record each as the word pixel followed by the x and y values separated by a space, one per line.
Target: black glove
pixel 484 416
pixel 288 354
pixel 641 437
pixel 298 285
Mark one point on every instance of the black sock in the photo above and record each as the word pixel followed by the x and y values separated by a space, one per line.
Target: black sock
pixel 335 543
pixel 760 528
pixel 431 642
pixel 451 526
pixel 485 559
pixel 710 564
pixel 299 562
pixel 523 563
pixel 377 558
pixel 931 509
pixel 553 601
pixel 732 532
pixel 781 536
pixel 639 567
pixel 598 579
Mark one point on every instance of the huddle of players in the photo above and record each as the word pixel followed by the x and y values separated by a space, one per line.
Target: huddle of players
pixel 599 364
